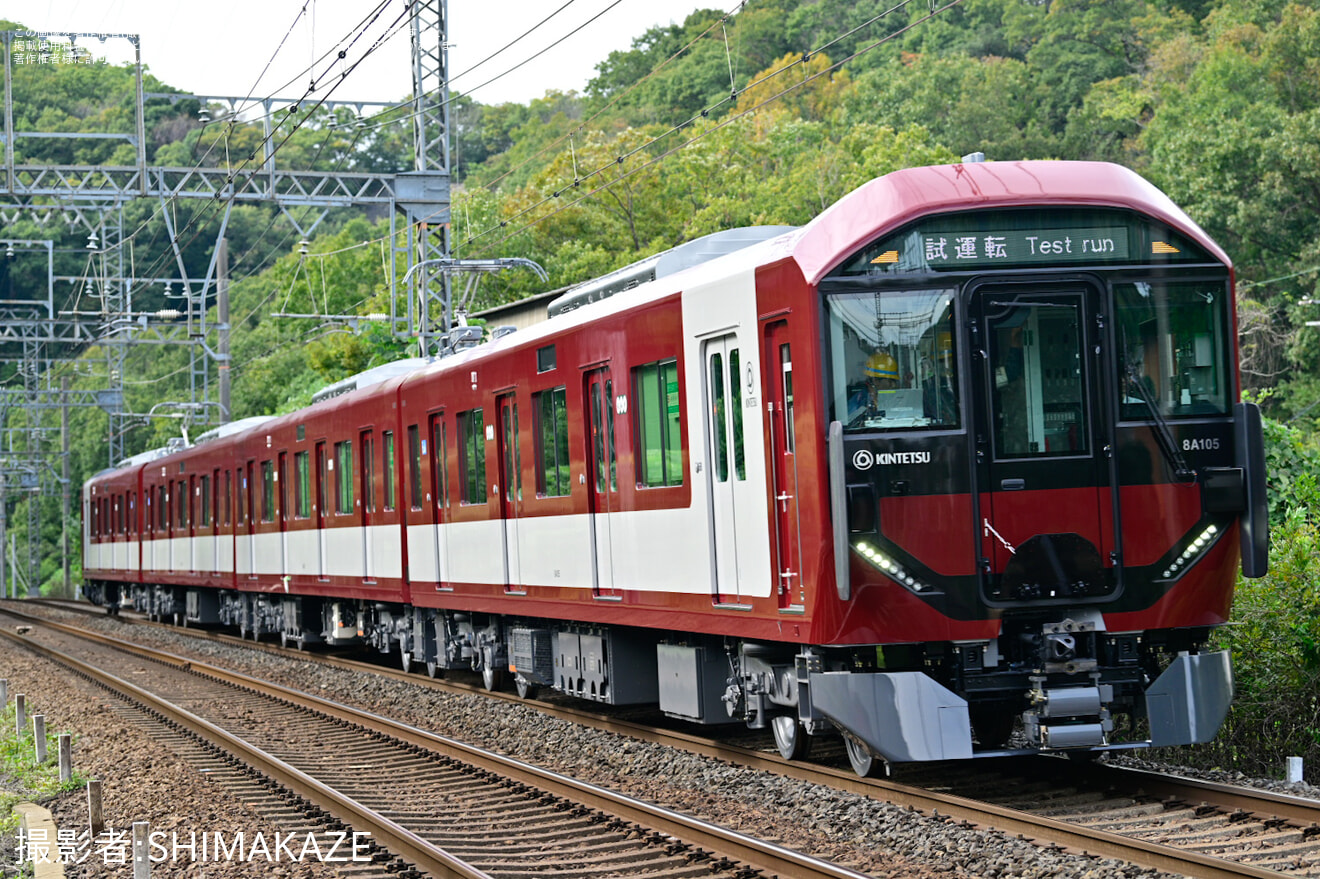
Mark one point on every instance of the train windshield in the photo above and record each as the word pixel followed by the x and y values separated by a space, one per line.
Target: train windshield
pixel 893 360
pixel 1175 348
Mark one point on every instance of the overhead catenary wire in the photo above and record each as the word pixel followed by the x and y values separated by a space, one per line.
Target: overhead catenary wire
pixel 394 29
pixel 703 113
pixel 619 159
pixel 361 28
pixel 281 143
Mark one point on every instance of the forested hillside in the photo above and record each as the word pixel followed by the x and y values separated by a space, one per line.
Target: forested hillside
pixel 766 115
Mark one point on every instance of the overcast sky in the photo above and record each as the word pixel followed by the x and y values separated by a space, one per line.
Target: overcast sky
pixel 221 48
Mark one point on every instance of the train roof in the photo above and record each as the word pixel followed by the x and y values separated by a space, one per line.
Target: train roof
pixel 369 377
pixel 232 428
pixel 895 199
pixel 662 265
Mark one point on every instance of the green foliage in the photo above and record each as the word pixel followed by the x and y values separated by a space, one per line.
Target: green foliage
pixel 1292 462
pixel 1275 643
pixel 18 761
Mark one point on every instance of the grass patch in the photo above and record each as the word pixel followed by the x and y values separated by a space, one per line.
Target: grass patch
pixel 21 777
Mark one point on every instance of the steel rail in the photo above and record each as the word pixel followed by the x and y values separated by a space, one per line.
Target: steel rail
pixel 728 843
pixel 399 840
pixel 1012 821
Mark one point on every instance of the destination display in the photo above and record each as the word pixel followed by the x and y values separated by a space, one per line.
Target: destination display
pixel 946 249
pixel 985 241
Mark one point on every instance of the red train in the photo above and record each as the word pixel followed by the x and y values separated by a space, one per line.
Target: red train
pixel 956 469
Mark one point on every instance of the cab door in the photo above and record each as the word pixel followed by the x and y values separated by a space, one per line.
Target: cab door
pixel 1045 502
pixel 777 363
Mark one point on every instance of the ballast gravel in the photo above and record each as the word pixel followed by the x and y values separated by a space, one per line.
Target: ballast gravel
pixel 871 837
pixel 141 781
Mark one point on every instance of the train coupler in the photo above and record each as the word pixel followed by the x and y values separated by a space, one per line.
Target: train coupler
pixel 1068 717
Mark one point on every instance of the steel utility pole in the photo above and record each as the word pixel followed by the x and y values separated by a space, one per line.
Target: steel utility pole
pixel 64 486
pixel 424 193
pixel 222 314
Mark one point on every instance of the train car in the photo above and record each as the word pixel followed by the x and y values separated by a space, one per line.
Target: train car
pixel 112 529
pixel 320 553
pixel 956 469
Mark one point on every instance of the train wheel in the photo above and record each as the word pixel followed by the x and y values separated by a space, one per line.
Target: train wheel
pixel 526 689
pixel 864 761
pixel 433 669
pixel 492 678
pixel 284 639
pixel 790 737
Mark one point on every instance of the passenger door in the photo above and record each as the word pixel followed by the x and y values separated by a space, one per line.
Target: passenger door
pixel 727 476
pixel 367 500
pixel 440 495
pixel 602 474
pixel 320 500
pixel 510 489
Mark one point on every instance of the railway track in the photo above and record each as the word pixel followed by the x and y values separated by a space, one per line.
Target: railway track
pixel 1183 826
pixel 445 808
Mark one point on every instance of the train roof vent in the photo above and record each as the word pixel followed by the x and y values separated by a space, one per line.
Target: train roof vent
pixel 672 261
pixel 231 428
pixel 367 378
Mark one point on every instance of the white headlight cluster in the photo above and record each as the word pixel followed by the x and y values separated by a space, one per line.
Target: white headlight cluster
pixel 891 568
pixel 1194 549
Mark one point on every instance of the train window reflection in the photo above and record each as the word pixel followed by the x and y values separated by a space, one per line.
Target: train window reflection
pixel 893 360
pixel 1174 343
pixel 1038 401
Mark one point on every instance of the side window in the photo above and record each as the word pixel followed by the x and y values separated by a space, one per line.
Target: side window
pixel 368 472
pixel 660 458
pixel 552 444
pixel 472 450
pixel 414 467
pixel 344 479
pixel 267 491
pixel 302 485
pixel 439 461
pixel 162 508
pixel 182 500
pixel 387 465
pixel 205 519
pixel 229 491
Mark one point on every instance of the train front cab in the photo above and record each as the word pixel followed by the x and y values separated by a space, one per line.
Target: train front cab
pixel 1044 477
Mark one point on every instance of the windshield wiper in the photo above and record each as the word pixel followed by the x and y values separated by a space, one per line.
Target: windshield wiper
pixel 1163 435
